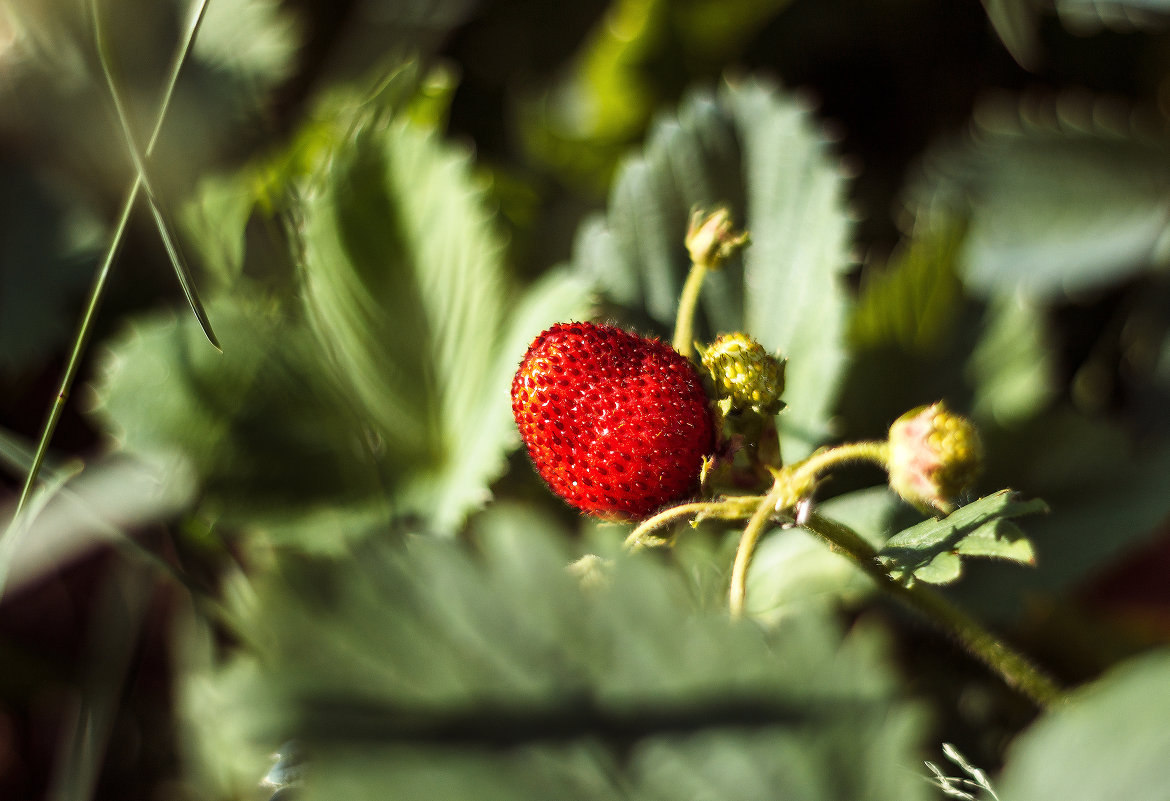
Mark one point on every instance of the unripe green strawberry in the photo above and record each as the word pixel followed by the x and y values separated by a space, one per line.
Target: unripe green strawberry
pixel 617 424
pixel 746 376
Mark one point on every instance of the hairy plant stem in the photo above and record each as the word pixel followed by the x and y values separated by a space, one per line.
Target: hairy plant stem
pixel 684 324
pixel 735 508
pixel 877 452
pixel 747 546
pixel 1016 670
pixel 97 290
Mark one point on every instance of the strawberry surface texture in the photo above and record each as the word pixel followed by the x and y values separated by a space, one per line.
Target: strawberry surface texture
pixel 615 423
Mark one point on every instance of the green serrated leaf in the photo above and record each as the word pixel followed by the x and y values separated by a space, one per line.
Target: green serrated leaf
pixel 264 431
pixel 427 672
pixel 387 393
pixel 1061 199
pixel 1108 740
pixel 483 431
pixel 637 255
pixel 795 301
pixel 931 550
pixel 753 148
pixel 405 287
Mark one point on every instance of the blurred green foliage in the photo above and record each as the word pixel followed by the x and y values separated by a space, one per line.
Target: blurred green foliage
pixel 1115 721
pixel 405 670
pixel 386 201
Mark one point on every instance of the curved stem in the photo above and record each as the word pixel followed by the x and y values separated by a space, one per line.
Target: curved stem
pixel 874 451
pixel 684 324
pixel 727 509
pixel 747 546
pixel 1016 670
pixel 635 539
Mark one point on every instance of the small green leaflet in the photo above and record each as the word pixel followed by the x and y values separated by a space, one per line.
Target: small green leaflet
pixel 933 550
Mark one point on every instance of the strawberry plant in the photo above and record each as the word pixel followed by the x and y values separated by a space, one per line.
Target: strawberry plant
pixel 470 403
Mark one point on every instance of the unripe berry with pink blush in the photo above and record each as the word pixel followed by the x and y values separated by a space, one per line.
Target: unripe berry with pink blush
pixel 934 456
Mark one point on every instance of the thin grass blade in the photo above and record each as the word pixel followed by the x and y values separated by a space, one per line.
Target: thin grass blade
pixel 17 454
pixel 161 219
pixel 81 339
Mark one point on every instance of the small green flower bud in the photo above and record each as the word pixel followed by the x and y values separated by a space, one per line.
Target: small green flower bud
pixel 934 456
pixel 711 238
pixel 746 376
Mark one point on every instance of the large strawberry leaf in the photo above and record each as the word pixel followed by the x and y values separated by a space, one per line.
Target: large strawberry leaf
pixel 1108 740
pixel 406 289
pixel 264 431
pixel 795 301
pixel 427 672
pixel 754 148
pixel 1063 198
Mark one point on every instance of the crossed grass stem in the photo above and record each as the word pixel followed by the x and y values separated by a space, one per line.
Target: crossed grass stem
pixel 97 290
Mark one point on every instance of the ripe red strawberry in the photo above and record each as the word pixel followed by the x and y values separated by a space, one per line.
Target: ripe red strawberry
pixel 617 424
